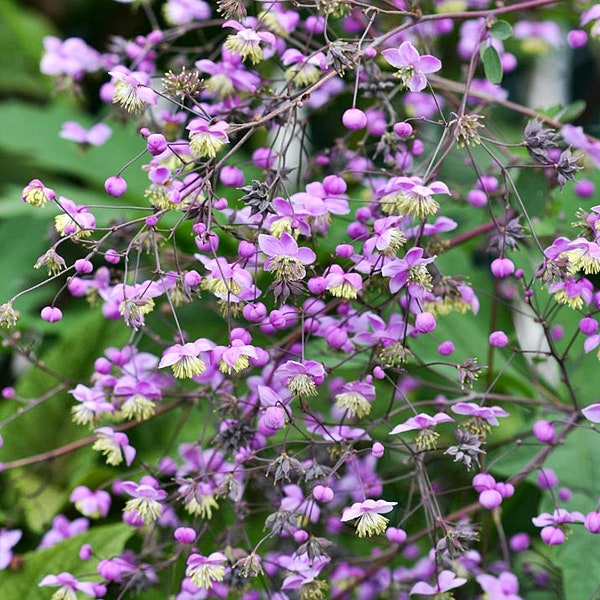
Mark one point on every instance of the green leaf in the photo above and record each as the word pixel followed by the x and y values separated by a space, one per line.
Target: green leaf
pixel 571 111
pixel 106 540
pixel 501 30
pixel 492 66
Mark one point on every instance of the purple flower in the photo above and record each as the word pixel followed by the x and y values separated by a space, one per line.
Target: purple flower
pixel 302 379
pixel 486 413
pixel 369 516
pixel 70 584
pixel 145 503
pixel 446 581
pixel 412 67
pixel 8 539
pixel 182 12
pixel 204 571
pixel 184 359
pixel 71 57
pixel 132 89
pixel 285 258
pixel 63 529
pixel 91 504
pixel 421 421
pixel 37 194
pixel 410 268
pixel 114 445
pixel 95 136
pixel 503 587
pixel 246 42
pixel 207 139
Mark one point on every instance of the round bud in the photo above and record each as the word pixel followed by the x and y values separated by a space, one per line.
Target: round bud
pixel 490 499
pixel 354 119
pixel 323 493
pixel 51 314
pixel 544 431
pixel 115 186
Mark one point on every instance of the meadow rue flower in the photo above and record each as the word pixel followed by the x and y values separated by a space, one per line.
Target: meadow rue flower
pixel 8 539
pixel 91 504
pixel 37 194
pixel 71 57
pixel 116 186
pixel 146 500
pixel 302 379
pixel 427 439
pixel 412 67
pixel 544 431
pixel 204 571
pixel 51 314
pixel 184 359
pixel 114 445
pixel 182 12
pixel 368 515
pixel 445 581
pixel 554 525
pixel 247 41
pixel 207 139
pixel 489 414
pixel 63 529
pixel 410 196
pixel 69 585
pixel 503 587
pixel 132 89
pixel 356 398
pixel 96 135
pixel 354 119
pixel 284 257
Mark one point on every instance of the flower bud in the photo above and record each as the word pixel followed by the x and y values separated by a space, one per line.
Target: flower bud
pixel 502 267
pixel 115 186
pixel 490 499
pixel 354 119
pixel 323 493
pixel 544 431
pixel 498 339
pixel 377 450
pixel 51 314
pixel 396 535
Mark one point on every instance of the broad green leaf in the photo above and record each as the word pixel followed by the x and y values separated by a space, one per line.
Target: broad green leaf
pixel 501 30
pixel 106 540
pixel 492 66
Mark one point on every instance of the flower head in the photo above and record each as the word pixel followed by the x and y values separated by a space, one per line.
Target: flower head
pixel 8 539
pixel 247 41
pixel 446 580
pixel 412 67
pixel 114 445
pixel 204 571
pixel 132 89
pixel 184 359
pixel 368 515
pixel 37 194
pixel 206 140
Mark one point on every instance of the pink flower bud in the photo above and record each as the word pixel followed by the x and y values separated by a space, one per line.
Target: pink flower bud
pixel 354 119
pixel 502 267
pixel 498 339
pixel 403 129
pixel 192 278
pixel 263 158
pixel 274 418
pixel 316 285
pixel 577 38
pixel 519 542
pixel 246 249
pixel 231 176
pixel 477 198
pixel 547 479
pixel 588 326
pixel 490 499
pixel 425 322
pixel 483 481
pixel 377 450
pixel 544 431
pixel 115 186
pixel 506 490
pixel 254 312
pixel 378 372
pixel 112 256
pixel 344 250
pixel 553 536
pixel 300 536
pixel 185 535
pixel 334 184
pixel 323 493
pixel 584 188
pixel 51 314
pixel 446 348
pixel 396 535
pixel 156 144
pixel 565 494
pixel 83 265
pixel 85 552
pixel 592 522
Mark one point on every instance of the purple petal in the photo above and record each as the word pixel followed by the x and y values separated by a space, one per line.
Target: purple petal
pixel 393 57
pixel 429 64
pixel 592 413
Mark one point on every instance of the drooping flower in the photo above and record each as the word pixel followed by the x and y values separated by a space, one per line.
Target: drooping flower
pixel 207 139
pixel 247 41
pixel 410 196
pixel 427 439
pixel 132 89
pixel 145 502
pixel 8 539
pixel 184 359
pixel 489 414
pixel 446 580
pixel 95 136
pixel 356 398
pixel 285 258
pixel 368 515
pixel 204 571
pixel 91 504
pixel 114 445
pixel 412 67
pixel 37 194
pixel 69 585
pixel 411 271
pixel 302 379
